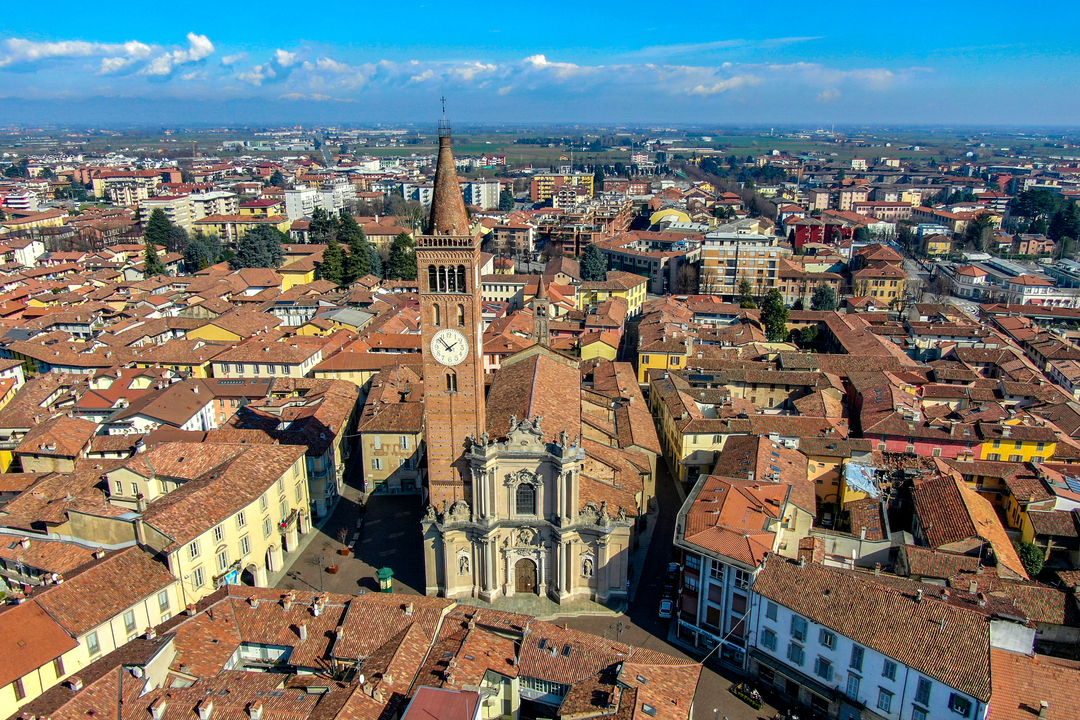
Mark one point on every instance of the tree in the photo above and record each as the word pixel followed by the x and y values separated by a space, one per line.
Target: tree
pixel 1065 223
pixel 594 264
pixel 277 179
pixel 862 235
pixel 201 252
pixel 978 230
pixel 686 279
pixel 1031 556
pixel 321 226
pixel 332 267
pixel 375 261
pixel 260 247
pixel 506 201
pixel 808 335
pixel 824 298
pixel 158 229
pixel 840 175
pixel 1035 203
pixel 153 264
pixel 746 295
pixel 774 316
pixel 598 180
pixel 401 265
pixel 359 262
pixel 178 239
pixel 798 304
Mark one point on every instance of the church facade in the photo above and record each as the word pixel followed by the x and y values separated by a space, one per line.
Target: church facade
pixel 521 500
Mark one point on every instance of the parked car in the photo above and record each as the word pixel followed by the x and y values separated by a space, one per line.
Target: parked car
pixel 665 608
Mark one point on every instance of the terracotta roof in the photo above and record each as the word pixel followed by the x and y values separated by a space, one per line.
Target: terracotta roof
pixel 29 638
pixel 60 436
pixel 1023 682
pixel 943 642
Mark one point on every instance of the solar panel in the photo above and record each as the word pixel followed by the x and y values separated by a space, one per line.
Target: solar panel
pixel 1073 484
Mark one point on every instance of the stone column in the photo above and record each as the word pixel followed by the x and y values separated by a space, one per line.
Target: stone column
pixel 602 571
pixel 542 569
pixel 508 569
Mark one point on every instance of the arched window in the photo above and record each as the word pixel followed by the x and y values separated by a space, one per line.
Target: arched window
pixel 451 382
pixel 442 278
pixel 432 279
pixel 460 315
pixel 461 278
pixel 525 499
pixel 435 315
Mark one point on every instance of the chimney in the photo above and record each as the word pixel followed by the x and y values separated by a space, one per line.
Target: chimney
pixel 1044 709
pixel 339 632
pixel 388 678
pixel 408 609
pixel 75 684
pixel 255 710
pixel 24 543
pixel 253 602
pixel 918 595
pixel 877 569
pixel 317 606
pixel 99 553
pixel 287 600
pixel 190 609
pixel 151 633
pixel 157 708
pixel 302 630
pixel 973 587
pixel 945 595
pixel 982 599
pixel 205 708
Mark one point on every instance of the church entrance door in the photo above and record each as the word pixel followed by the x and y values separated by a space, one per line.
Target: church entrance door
pixel 525 571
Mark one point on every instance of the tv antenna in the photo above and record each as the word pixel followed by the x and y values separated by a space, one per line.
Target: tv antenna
pixel 444 126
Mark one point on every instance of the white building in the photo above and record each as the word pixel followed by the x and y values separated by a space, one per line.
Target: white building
pixel 178 208
pixel 338 195
pixel 851 647
pixel 301 201
pixel 216 202
pixel 482 193
pixel 21 200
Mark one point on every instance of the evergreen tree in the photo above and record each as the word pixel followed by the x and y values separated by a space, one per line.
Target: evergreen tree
pixel 1031 556
pixel 598 180
pixel 594 264
pixel 401 265
pixel 158 229
pixel 1065 223
pixel 746 295
pixel 774 316
pixel 332 267
pixel 375 261
pixel 359 261
pixel 824 298
pixel 201 252
pixel 260 247
pixel 277 179
pixel 862 235
pixel 321 226
pixel 506 201
pixel 153 262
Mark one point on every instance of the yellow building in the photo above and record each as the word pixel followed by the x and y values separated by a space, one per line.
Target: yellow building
pixel 663 355
pixel 1013 442
pixel 603 345
pixel 67 626
pixel 629 286
pixel 231 228
pixel 48 218
pixel 234 510
pixel 543 187
pixel 300 272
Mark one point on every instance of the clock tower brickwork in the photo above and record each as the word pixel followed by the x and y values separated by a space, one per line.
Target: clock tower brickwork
pixel 448 273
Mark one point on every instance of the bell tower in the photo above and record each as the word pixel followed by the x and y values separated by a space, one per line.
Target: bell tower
pixel 448 273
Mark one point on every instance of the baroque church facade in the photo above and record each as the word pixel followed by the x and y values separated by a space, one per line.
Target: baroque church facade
pixel 520 500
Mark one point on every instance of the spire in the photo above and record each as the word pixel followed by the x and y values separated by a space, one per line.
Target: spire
pixel 448 216
pixel 541 289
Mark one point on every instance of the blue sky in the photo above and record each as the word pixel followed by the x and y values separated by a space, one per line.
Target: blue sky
pixel 693 62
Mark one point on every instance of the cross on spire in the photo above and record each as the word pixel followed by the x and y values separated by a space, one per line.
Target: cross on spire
pixel 444 126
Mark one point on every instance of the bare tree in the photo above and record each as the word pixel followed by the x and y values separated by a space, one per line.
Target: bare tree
pixel 686 279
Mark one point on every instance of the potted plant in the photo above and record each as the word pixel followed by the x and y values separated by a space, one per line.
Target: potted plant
pixel 343 538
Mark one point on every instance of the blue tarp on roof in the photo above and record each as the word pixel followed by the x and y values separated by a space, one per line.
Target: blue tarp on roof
pixel 861 478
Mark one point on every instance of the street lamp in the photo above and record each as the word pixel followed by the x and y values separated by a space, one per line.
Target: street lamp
pixel 385 576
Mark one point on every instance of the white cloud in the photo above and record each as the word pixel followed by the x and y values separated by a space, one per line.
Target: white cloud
pixel 828 95
pixel 731 83
pixel 506 90
pixel 428 74
pixel 285 58
pixel 26 51
pixel 233 59
pixel 562 70
pixel 258 75
pixel 199 47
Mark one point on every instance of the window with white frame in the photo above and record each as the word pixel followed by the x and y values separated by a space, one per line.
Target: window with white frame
pixel 219 533
pixel 223 560
pixel 240 520
pixel 267 527
pixel 693 562
pixel 852 690
pixel 716 571
pixel 690 583
pixel 197 578
pixel 245 545
pixel 92 644
pixel 163 601
pixel 193 549
pixel 884 700
pixel 827 638
pixel 129 621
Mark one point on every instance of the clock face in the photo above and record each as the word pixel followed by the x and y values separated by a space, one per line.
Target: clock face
pixel 449 347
